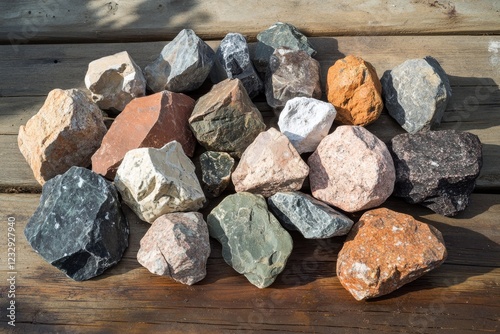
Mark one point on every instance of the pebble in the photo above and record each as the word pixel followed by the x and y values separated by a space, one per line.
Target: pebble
pixel 216 169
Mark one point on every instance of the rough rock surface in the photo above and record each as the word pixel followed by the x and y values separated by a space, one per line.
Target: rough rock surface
pixel 154 182
pixel 114 81
pixel 353 87
pixel 416 93
pixel 79 226
pixel 277 36
pixel 253 241
pixel 232 60
pixel 386 250
pixel 351 169
pixel 291 74
pixel 65 132
pixel 314 219
pixel 225 119
pixel 177 245
pixel 216 169
pixel 306 121
pixel 269 165
pixel 437 169
pixel 150 121
pixel 182 66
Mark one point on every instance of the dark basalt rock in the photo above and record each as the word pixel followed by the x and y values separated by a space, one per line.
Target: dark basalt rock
pixel 216 169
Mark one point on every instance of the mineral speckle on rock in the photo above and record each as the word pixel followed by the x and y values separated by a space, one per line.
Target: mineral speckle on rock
pixel 216 169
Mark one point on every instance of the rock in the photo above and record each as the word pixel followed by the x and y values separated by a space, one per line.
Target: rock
pixel 351 169
pixel 353 87
pixel 291 74
pixel 416 93
pixel 306 121
pixel 270 165
pixel 253 241
pixel 386 250
pixel 150 121
pixel 79 226
pixel 225 119
pixel 65 132
pixel 216 169
pixel 154 182
pixel 437 169
pixel 182 66
pixel 312 218
pixel 114 81
pixel 277 36
pixel 177 245
pixel 232 60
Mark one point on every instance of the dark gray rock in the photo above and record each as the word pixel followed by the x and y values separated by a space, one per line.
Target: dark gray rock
pixel 416 93
pixel 216 169
pixel 79 226
pixel 437 169
pixel 312 218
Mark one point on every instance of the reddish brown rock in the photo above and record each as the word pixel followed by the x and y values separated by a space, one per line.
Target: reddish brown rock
pixel 386 250
pixel 353 87
pixel 150 121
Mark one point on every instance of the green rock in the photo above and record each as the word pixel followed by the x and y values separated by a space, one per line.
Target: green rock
pixel 216 169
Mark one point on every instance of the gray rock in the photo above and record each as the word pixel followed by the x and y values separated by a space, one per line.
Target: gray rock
pixel 216 169
pixel 312 218
pixel 437 169
pixel 416 93
pixel 253 241
pixel 182 66
pixel 79 226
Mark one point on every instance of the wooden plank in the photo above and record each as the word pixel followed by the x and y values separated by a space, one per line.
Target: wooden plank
pixel 462 295
pixel 28 21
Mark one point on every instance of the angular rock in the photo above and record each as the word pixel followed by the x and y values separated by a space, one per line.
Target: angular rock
pixel 154 182
pixel 386 250
pixel 351 169
pixel 65 132
pixel 306 121
pixel 312 218
pixel 291 74
pixel 269 165
pixel 114 81
pixel 149 121
pixel 253 241
pixel 216 169
pixel 177 245
pixel 353 87
pixel 277 36
pixel 79 226
pixel 416 94
pixel 182 66
pixel 437 169
pixel 225 119
pixel 232 60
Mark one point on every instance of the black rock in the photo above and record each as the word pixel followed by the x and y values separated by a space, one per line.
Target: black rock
pixel 216 169
pixel 79 226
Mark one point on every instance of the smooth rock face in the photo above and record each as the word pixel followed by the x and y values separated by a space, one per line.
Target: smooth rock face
pixel 277 36
pixel 386 250
pixel 177 245
pixel 114 81
pixel 154 182
pixel 353 87
pixel 232 60
pixel 150 121
pixel 225 119
pixel 253 241
pixel 183 64
pixel 314 219
pixel 416 93
pixel 291 74
pixel 269 165
pixel 437 169
pixel 216 169
pixel 352 170
pixel 79 226
pixel 65 132
pixel 306 121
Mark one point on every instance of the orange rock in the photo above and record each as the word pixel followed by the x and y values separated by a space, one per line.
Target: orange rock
pixel 353 87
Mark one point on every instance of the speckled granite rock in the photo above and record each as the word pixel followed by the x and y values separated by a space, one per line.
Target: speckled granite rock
pixel 216 169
